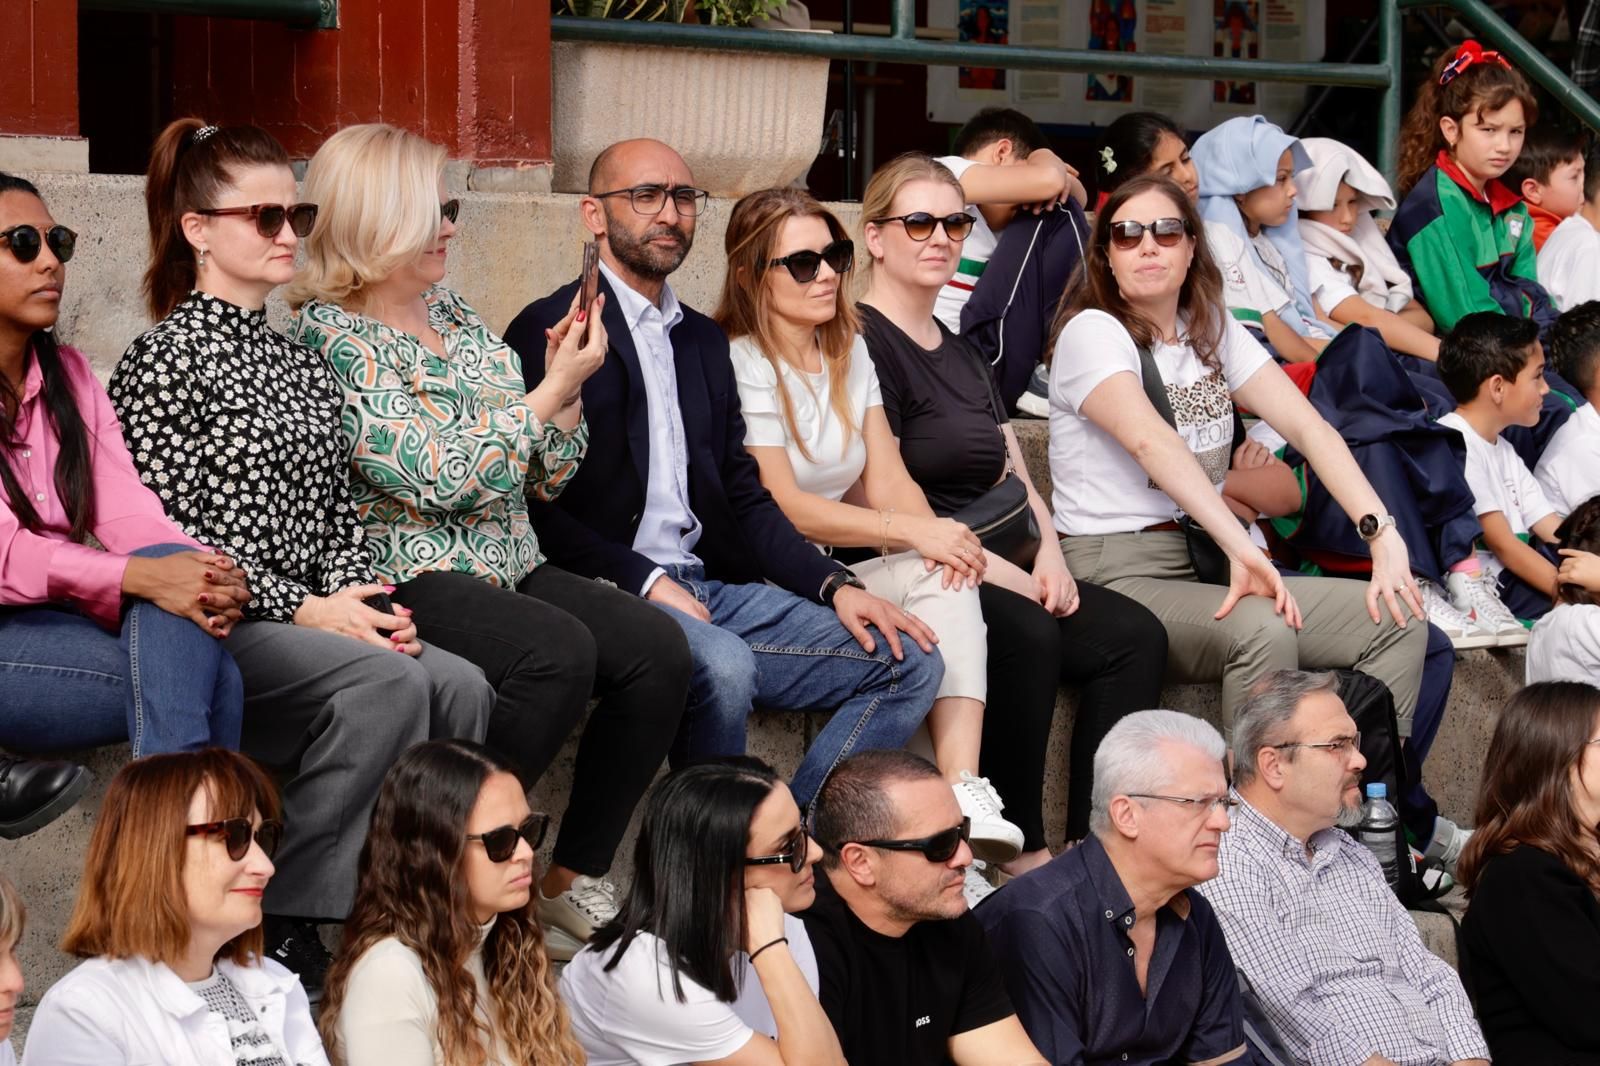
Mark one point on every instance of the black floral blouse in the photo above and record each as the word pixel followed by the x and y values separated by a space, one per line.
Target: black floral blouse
pixel 236 428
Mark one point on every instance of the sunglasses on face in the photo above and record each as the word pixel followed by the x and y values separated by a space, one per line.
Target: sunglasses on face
pixel 939 847
pixel 500 844
pixel 25 242
pixel 450 209
pixel 236 835
pixel 269 218
pixel 919 224
pixel 804 265
pixel 1166 231
pixel 795 847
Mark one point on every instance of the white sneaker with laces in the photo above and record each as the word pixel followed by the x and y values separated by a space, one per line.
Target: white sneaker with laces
pixel 993 838
pixel 1448 841
pixel 1487 609
pixel 572 917
pixel 1463 632
pixel 975 886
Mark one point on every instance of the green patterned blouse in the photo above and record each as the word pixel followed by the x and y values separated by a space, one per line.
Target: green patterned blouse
pixel 443 452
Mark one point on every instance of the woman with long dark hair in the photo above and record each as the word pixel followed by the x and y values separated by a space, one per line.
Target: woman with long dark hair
pixel 68 678
pixel 1532 875
pixel 705 961
pixel 443 960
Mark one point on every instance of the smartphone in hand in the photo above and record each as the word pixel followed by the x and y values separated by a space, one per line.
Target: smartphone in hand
pixel 589 277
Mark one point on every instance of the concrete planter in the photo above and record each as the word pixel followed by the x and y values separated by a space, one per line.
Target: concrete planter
pixel 743 121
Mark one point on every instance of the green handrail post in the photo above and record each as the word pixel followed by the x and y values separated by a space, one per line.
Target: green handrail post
pixel 311 14
pixel 1389 28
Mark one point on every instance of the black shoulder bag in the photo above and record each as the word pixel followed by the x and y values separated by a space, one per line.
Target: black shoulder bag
pixel 1001 517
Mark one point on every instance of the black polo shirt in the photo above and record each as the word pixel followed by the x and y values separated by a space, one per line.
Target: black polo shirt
pixel 1061 935
pixel 896 1001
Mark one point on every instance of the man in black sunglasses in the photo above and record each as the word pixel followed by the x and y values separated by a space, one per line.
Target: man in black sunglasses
pixel 906 973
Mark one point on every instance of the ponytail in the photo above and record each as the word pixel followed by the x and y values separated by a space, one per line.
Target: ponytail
pixel 190 164
pixel 1481 81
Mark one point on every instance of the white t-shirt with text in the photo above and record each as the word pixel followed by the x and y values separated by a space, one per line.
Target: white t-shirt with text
pixel 974 255
pixel 1569 469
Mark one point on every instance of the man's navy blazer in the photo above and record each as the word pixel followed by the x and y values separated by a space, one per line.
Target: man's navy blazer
pixel 590 527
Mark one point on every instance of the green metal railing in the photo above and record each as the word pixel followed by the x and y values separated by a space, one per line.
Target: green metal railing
pixel 312 14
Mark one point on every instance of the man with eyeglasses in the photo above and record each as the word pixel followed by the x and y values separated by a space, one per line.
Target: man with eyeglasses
pixel 1109 953
pixel 906 971
pixel 668 503
pixel 1336 960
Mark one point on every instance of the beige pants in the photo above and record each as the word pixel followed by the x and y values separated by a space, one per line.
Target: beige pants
pixel 953 614
pixel 1252 641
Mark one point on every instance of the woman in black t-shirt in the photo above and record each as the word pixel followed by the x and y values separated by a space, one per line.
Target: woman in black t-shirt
pixel 940 400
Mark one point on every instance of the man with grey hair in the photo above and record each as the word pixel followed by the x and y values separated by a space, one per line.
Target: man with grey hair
pixel 1336 960
pixel 1109 954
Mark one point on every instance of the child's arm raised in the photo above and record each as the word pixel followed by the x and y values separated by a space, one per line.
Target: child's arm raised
pixel 1514 555
pixel 1041 180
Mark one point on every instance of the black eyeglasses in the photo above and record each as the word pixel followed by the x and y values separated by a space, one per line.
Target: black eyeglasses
pixel 1166 231
pixel 936 848
pixel 500 844
pixel 804 265
pixel 1191 804
pixel 269 218
pixel 795 847
pixel 236 835
pixel 1338 745
pixel 919 224
pixel 650 199
pixel 450 209
pixel 25 242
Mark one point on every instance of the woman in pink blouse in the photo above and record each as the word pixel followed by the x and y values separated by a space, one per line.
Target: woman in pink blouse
pixel 68 678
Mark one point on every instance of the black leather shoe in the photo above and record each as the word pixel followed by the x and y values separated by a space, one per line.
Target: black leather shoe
pixel 35 792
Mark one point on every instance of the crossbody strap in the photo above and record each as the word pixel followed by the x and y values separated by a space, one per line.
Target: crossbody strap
pixel 988 390
pixel 1154 387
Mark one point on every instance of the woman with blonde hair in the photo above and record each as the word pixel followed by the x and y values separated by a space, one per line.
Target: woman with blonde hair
pixel 168 919
pixel 13 916
pixel 814 422
pixel 443 960
pixel 446 446
pixel 940 405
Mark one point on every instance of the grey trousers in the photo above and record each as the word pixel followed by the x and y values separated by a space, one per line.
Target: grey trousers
pixel 1251 641
pixel 331 714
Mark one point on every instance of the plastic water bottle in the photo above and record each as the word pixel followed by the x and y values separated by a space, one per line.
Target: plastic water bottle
pixel 1378 830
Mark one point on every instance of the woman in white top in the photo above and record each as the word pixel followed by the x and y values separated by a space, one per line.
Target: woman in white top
pixel 1122 473
pixel 12 917
pixel 168 916
pixel 706 963
pixel 814 422
pixel 443 959
pixel 1565 643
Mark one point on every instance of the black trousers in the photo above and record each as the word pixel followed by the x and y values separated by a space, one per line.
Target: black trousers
pixel 545 648
pixel 1112 648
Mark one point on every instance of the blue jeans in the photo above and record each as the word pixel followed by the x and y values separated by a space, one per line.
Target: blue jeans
pixel 767 646
pixel 163 685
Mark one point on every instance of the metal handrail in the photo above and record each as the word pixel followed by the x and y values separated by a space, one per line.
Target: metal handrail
pixel 312 14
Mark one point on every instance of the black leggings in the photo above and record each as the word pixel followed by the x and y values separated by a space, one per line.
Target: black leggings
pixel 545 648
pixel 1113 648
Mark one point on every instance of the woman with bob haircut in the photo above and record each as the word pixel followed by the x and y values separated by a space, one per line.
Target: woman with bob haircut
pixel 236 428
pixel 1045 628
pixel 1122 471
pixel 168 917
pixel 814 422
pixel 443 960
pixel 1532 875
pixel 446 445
pixel 13 917
pixel 706 961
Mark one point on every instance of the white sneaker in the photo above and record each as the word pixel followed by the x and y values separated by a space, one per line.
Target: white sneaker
pixel 1486 608
pixel 1463 632
pixel 1035 399
pixel 1448 840
pixel 976 887
pixel 572 917
pixel 993 838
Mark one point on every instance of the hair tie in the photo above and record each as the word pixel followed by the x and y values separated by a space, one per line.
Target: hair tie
pixel 202 133
pixel 1469 53
pixel 1107 163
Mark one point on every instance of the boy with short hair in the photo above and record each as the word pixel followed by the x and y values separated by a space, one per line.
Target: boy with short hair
pixel 1568 261
pixel 1569 469
pixel 1548 175
pixel 1493 365
pixel 1028 238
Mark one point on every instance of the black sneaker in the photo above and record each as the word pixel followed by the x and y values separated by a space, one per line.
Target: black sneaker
pixel 294 942
pixel 34 793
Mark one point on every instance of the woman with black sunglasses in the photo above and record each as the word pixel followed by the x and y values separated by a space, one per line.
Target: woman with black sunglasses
pixel 943 408
pixel 706 962
pixel 168 917
pixel 443 959
pixel 237 429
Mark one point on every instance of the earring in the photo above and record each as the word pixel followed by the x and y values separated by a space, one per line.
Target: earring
pixel 200 260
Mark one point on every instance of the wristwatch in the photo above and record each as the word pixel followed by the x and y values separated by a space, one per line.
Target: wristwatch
pixel 836 581
pixel 1370 525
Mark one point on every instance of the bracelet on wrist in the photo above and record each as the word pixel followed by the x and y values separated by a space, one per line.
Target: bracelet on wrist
pixel 768 944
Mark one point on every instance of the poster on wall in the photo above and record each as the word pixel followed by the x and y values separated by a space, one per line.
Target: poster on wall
pixel 1234 29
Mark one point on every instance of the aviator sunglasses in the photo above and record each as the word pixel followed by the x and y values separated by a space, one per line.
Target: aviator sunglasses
pixel 939 847
pixel 795 845
pixel 269 218
pixel 500 844
pixel 236 835
pixel 1166 231
pixel 919 224
pixel 25 242
pixel 804 265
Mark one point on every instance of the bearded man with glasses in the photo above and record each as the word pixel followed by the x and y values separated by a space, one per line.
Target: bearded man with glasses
pixel 1336 960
